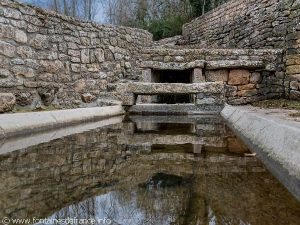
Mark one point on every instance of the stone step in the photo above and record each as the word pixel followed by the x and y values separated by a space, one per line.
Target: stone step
pixel 140 88
pixel 175 109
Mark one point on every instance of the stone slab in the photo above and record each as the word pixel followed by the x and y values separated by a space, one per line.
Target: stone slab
pixel 175 109
pixel 24 123
pixel 173 65
pixel 263 132
pixel 140 88
pixel 25 141
pixel 234 64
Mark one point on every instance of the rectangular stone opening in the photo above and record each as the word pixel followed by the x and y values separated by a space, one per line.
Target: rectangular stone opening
pixel 172 76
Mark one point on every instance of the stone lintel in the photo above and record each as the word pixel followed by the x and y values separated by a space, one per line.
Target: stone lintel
pixel 139 88
pixel 173 65
pixel 234 64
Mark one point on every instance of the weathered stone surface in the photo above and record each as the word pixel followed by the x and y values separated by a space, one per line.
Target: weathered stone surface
pixel 23 71
pixel 230 91
pixel 83 85
pixel 25 51
pixel 238 77
pixel 39 41
pixel 246 87
pixel 99 53
pixel 246 93
pixel 128 99
pixel 47 95
pixel 4 73
pixel 7 102
pixel 20 36
pixel 52 66
pixel 232 64
pixel 172 65
pixel 88 97
pixel 294 69
pixel 24 98
pixel 294 95
pixel 163 88
pixel 7 49
pixel 197 76
pixel 85 56
pixel 7 31
pixel 216 75
pixel 255 78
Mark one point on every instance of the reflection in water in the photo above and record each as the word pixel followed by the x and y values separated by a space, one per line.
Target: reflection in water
pixel 146 170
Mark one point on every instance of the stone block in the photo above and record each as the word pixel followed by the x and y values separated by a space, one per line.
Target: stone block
pixel 88 97
pixel 24 98
pixel 7 102
pixel 294 69
pixel 4 73
pixel 7 31
pixel 23 71
pixel 25 52
pixel 295 85
pixel 230 91
pixel 146 75
pixel 238 77
pixel 99 54
pixel 20 36
pixel 247 93
pixel 39 41
pixel 216 75
pixel 52 66
pixel 128 99
pixel 85 56
pixel 197 76
pixel 255 78
pixel 293 60
pixel 246 87
pixel 7 49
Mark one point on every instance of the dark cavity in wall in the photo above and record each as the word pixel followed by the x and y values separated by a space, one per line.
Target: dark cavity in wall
pixel 173 76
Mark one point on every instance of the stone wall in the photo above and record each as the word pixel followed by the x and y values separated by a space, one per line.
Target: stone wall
pixel 292 82
pixel 250 75
pixel 47 59
pixel 241 24
pixel 253 24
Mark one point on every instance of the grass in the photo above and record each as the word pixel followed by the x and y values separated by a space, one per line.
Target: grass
pixel 278 104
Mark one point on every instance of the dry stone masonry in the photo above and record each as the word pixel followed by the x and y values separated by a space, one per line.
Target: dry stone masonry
pixel 52 61
pixel 47 59
pixel 253 24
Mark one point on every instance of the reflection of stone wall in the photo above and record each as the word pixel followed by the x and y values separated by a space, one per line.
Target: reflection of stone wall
pixel 45 178
pixel 41 180
pixel 52 60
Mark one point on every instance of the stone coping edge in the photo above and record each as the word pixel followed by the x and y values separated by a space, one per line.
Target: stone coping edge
pixel 278 138
pixel 27 123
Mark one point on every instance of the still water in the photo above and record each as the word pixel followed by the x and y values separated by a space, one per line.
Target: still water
pixel 146 170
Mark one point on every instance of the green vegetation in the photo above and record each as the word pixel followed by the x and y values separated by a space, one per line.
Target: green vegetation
pixel 199 7
pixel 166 27
pixel 163 18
